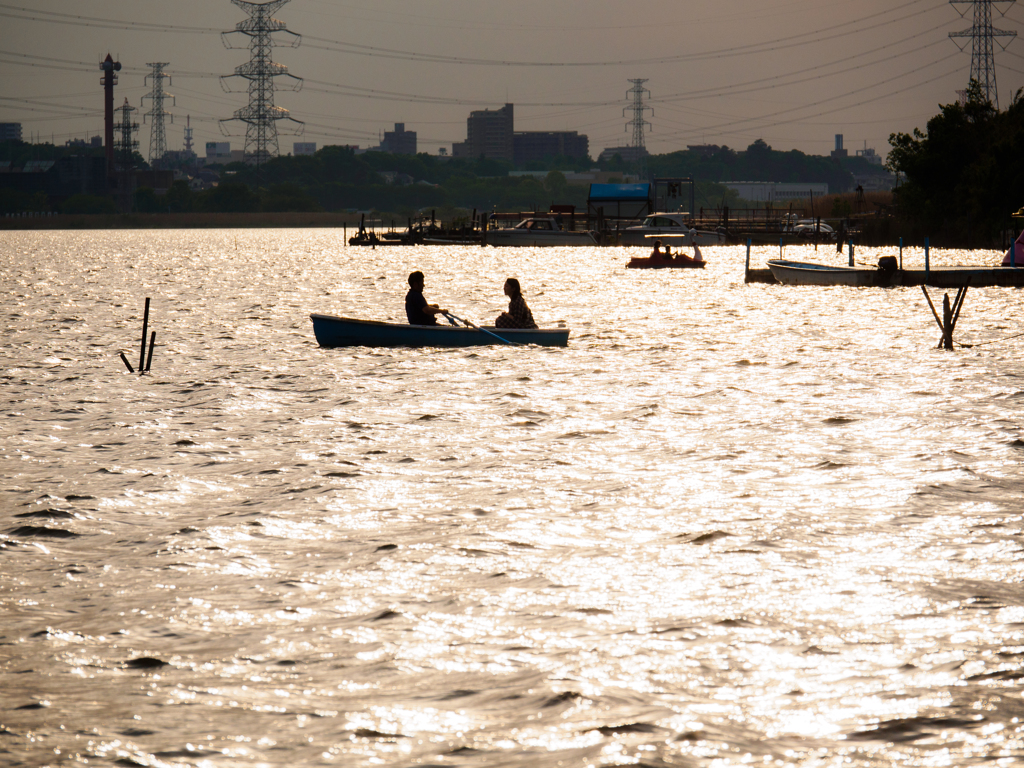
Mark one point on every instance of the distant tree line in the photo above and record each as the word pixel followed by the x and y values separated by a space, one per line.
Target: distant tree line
pixel 337 179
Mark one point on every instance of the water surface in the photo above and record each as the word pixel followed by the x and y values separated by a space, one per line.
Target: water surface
pixel 729 524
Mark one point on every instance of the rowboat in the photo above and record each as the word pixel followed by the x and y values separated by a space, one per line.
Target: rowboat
pixel 678 262
pixel 332 331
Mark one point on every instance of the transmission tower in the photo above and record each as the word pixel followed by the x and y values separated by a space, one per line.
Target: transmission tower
pixel 261 116
pixel 637 123
pixel 157 136
pixel 982 34
pixel 125 147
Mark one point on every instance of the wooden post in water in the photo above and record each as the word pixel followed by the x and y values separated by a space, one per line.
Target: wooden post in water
pixel 901 254
pixel 746 270
pixel 851 252
pixel 927 261
pixel 145 327
pixel 152 343
pixel 950 314
pixel 947 323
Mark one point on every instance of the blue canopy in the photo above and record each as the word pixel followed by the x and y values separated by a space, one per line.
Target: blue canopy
pixel 620 192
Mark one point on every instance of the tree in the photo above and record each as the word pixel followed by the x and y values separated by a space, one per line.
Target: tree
pixel 964 176
pixel 230 197
pixel 88 204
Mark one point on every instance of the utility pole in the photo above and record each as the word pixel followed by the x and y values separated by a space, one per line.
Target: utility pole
pixel 637 124
pixel 261 115
pixel 125 148
pixel 982 35
pixel 157 136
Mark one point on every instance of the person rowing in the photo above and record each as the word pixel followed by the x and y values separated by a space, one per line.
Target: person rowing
pixel 417 310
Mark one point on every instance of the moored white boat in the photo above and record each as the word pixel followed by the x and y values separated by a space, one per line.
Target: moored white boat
pixel 810 273
pixel 672 229
pixel 539 231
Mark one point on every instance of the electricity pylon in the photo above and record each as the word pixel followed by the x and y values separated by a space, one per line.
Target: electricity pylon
pixel 125 146
pixel 157 136
pixel 637 123
pixel 261 116
pixel 982 34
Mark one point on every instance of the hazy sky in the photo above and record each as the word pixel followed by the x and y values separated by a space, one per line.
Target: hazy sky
pixel 792 72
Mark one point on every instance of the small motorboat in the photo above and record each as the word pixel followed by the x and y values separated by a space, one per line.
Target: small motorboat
pixel 332 331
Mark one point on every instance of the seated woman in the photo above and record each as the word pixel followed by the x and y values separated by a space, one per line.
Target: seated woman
pixel 518 315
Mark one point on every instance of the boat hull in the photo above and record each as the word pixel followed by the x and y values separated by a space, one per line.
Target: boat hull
pixel 647 263
pixel 332 331
pixel 808 273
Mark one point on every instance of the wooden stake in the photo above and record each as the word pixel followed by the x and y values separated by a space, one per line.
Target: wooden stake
pixel 152 343
pixel 947 323
pixel 145 327
pixel 127 364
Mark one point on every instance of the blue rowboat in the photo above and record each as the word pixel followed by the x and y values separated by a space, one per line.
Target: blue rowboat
pixel 334 331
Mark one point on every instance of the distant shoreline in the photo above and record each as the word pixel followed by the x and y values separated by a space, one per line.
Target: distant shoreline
pixel 180 221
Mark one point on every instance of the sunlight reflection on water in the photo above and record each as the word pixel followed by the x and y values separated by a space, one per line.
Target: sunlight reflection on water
pixel 728 523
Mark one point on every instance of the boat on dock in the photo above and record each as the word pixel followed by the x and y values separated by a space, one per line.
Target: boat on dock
pixel 333 331
pixel 672 229
pixel 539 231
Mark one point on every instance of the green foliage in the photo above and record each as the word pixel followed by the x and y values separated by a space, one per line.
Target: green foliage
pixel 758 163
pixel 145 200
pixel 14 201
pixel 229 197
pixel 841 208
pixel 88 204
pixel 965 175
pixel 179 198
pixel 287 197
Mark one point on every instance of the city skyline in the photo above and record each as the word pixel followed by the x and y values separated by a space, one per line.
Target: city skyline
pixel 795 74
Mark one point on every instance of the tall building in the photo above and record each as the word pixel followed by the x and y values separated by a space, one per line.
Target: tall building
pixel 839 152
pixel 489 134
pixel 399 141
pixel 10 131
pixel 531 146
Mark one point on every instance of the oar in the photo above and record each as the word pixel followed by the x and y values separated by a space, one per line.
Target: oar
pixel 477 327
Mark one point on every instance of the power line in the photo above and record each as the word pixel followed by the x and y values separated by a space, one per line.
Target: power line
pixel 792 41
